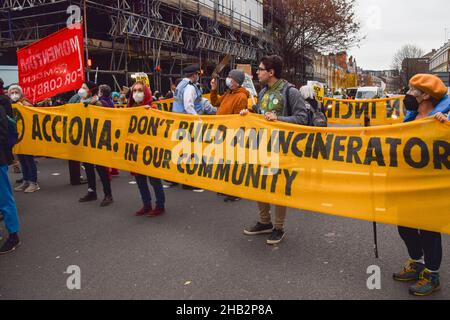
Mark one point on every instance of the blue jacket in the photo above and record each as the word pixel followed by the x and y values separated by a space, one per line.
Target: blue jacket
pixel 443 106
pixel 178 99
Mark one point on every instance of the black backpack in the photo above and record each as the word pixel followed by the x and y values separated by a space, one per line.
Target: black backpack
pixel 316 117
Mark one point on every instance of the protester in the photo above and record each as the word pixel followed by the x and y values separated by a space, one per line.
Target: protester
pixel 427 96
pixel 233 101
pixel 141 95
pixel 85 94
pixel 105 99
pixel 88 95
pixel 278 101
pixel 27 162
pixel 116 96
pixel 16 163
pixel 173 87
pixel 310 96
pixel 7 203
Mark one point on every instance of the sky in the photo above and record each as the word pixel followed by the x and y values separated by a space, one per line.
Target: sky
pixel 390 24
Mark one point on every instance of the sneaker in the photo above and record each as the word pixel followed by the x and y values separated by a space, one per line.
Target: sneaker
pixel 276 237
pixel 411 272
pixel 144 211
pixel 428 283
pixel 258 229
pixel 231 199
pixel 107 201
pixel 23 186
pixel 170 184
pixel 195 189
pixel 156 212
pixel 33 187
pixel 11 244
pixel 90 196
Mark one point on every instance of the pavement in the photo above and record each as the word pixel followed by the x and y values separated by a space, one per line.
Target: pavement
pixel 197 250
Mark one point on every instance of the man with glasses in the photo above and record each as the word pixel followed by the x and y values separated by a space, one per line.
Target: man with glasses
pixel 278 101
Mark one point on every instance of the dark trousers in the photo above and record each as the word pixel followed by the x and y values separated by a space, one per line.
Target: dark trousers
pixel 29 169
pixel 425 244
pixel 74 172
pixel 104 177
pixel 145 191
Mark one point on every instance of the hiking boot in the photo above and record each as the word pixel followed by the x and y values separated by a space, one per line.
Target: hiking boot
pixel 23 186
pixel 411 272
pixel 156 212
pixel 428 283
pixel 258 229
pixel 33 187
pixel 276 237
pixel 144 211
pixel 231 199
pixel 107 201
pixel 90 196
pixel 11 244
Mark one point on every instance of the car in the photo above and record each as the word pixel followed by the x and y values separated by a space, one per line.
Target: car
pixel 370 93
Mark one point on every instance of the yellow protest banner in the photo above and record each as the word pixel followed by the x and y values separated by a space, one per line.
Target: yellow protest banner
pixel 390 174
pixel 379 111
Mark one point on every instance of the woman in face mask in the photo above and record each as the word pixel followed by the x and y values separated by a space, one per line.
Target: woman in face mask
pixel 426 97
pixel 28 165
pixel 103 100
pixel 15 93
pixel 141 95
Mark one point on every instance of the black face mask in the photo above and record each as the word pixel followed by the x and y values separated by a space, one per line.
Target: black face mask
pixel 411 103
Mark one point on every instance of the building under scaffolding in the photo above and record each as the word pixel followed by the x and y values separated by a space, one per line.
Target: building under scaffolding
pixel 157 37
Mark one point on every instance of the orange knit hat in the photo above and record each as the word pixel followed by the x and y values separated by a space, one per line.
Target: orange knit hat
pixel 429 84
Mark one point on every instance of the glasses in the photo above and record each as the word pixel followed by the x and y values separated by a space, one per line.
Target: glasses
pixel 262 69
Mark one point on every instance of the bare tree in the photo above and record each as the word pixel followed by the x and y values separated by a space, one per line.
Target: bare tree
pixel 408 51
pixel 301 26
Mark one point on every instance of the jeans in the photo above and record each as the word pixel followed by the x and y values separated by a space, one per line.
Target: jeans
pixel 7 203
pixel 425 244
pixel 29 169
pixel 145 191
pixel 104 177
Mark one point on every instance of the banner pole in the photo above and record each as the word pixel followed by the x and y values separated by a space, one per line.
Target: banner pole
pixel 375 238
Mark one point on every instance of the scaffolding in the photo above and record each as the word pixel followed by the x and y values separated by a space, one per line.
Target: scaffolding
pixel 158 37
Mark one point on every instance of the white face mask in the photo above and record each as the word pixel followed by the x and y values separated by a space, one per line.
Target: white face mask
pixel 15 97
pixel 229 82
pixel 138 97
pixel 82 93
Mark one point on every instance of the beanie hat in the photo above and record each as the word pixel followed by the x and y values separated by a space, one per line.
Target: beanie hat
pixel 238 76
pixel 429 84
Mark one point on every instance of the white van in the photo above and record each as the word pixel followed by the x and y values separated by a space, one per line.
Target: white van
pixel 370 93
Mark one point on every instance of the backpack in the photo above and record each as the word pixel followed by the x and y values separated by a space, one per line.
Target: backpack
pixel 316 117
pixel 13 134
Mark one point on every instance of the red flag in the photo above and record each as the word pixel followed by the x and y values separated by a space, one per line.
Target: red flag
pixel 52 65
